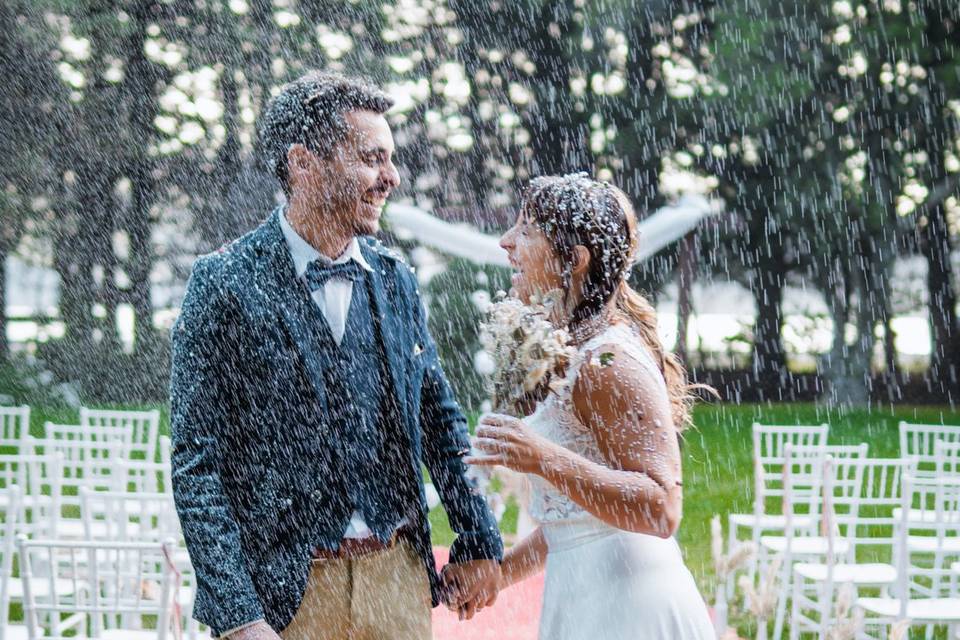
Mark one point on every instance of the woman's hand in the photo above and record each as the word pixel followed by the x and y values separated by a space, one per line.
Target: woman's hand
pixel 508 442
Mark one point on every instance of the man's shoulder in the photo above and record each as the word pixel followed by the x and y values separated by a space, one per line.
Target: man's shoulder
pixel 232 257
pixel 393 259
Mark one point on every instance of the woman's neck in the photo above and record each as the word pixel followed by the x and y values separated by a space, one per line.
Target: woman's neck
pixel 586 326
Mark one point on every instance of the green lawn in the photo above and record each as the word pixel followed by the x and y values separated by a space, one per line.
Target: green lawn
pixel 716 455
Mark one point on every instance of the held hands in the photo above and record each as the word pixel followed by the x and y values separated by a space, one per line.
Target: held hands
pixel 470 586
pixel 257 631
pixel 508 442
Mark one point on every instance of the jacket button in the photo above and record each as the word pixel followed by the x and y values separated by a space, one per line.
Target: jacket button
pixel 316 495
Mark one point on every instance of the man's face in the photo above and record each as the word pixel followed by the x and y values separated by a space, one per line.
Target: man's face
pixel 354 183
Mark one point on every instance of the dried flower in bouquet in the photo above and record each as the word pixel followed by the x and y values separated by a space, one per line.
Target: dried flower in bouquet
pixel 530 358
pixel 900 630
pixel 847 620
pixel 530 355
pixel 724 565
pixel 762 600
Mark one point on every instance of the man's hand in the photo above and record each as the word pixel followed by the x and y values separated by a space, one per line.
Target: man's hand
pixel 471 586
pixel 257 631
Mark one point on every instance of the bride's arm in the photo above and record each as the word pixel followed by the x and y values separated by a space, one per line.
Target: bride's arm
pixel 623 404
pixel 524 559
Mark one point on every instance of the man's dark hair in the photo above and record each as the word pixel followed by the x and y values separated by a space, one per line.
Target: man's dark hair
pixel 310 111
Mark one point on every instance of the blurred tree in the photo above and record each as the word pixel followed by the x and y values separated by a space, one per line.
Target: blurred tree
pixel 29 119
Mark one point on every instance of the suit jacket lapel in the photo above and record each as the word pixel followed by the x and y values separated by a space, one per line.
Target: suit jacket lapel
pixel 387 314
pixel 291 301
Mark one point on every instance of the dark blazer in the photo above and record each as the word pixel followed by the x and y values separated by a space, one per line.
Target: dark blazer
pixel 252 474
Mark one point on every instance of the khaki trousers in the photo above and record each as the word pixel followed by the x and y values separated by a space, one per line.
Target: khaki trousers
pixel 380 596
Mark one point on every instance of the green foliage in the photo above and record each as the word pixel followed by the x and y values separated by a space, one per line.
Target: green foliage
pixel 455 319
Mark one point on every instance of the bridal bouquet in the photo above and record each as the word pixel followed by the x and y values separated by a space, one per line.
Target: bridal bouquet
pixel 530 355
pixel 530 358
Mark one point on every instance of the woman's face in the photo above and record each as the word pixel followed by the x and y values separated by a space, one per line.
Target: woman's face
pixel 537 266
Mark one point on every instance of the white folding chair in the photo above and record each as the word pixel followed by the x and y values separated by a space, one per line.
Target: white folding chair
pixel 123 515
pixel 933 537
pixel 119 515
pixel 919 440
pixel 90 463
pixel 11 511
pixel 802 478
pixel 912 598
pixel 860 496
pixel 40 479
pixel 14 426
pixel 120 590
pixel 148 477
pixel 143 428
pixel 768 459
pixel 947 456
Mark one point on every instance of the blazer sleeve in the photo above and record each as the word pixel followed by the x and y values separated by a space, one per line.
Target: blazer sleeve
pixel 445 442
pixel 201 348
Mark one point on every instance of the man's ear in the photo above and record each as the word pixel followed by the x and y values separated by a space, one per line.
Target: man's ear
pixel 581 259
pixel 298 162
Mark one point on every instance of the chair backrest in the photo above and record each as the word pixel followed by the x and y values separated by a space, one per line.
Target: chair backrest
pixel 148 477
pixel 862 496
pixel 129 516
pixel 39 479
pixel 934 518
pixel 86 462
pixel 10 507
pixel 14 426
pixel 919 440
pixel 802 488
pixel 142 427
pixel 91 586
pixel 768 458
pixel 947 455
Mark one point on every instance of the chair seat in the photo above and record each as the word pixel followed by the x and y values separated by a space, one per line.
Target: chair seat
pixel 868 573
pixel 15 632
pixel 130 634
pixel 72 529
pixel 41 587
pixel 921 610
pixel 803 545
pixel 766 520
pixel 26 501
pixel 928 544
pixel 926 516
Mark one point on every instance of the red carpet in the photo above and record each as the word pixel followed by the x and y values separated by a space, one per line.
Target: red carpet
pixel 515 615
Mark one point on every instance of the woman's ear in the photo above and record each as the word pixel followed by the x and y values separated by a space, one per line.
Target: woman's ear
pixel 581 259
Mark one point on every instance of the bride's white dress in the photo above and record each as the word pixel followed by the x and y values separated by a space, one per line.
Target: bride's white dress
pixel 602 582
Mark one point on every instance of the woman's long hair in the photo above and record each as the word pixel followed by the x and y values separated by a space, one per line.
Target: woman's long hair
pixel 575 210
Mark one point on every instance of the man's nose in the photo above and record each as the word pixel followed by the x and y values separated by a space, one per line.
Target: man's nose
pixel 391 176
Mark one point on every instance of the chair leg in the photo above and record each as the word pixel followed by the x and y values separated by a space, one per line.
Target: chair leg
pixel 731 544
pixel 795 609
pixel 783 591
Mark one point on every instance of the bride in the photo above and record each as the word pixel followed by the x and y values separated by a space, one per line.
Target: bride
pixel 603 454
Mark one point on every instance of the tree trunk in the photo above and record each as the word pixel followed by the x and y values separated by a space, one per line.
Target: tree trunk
pixel 4 344
pixel 847 373
pixel 140 90
pixel 945 331
pixel 769 359
pixel 684 294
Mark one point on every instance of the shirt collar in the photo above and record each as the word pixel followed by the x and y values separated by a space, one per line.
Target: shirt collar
pixel 303 252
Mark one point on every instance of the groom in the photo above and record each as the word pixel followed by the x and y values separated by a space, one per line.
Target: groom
pixel 306 391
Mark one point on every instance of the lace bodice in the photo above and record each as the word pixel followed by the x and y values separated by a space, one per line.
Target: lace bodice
pixel 555 419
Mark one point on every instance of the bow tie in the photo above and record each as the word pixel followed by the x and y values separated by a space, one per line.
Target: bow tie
pixel 318 273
